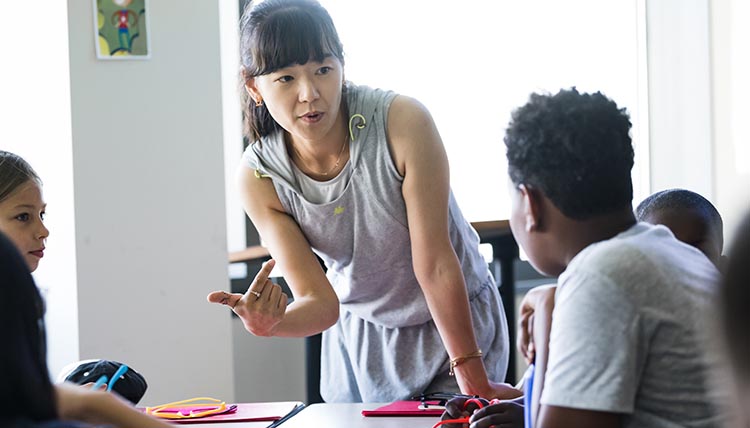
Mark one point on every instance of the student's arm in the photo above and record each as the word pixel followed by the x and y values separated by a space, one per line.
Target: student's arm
pixel 563 417
pixel 98 407
pixel 536 324
pixel 315 306
pixel 524 334
pixel 420 158
pixel 510 414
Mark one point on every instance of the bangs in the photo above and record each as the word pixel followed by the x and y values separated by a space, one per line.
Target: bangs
pixel 290 37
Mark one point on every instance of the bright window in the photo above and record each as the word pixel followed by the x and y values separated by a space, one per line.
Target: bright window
pixel 740 67
pixel 472 62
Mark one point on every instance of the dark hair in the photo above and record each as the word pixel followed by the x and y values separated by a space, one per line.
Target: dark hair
pixel 681 200
pixel 734 300
pixel 14 171
pixel 576 149
pixel 26 390
pixel 276 34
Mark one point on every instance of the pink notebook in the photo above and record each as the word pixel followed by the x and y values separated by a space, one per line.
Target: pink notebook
pixel 405 408
pixel 245 412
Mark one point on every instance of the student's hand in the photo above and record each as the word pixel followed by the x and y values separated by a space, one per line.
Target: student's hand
pixel 542 299
pixel 100 408
pixel 457 408
pixel 79 402
pixel 72 400
pixel 506 414
pixel 261 308
pixel 90 385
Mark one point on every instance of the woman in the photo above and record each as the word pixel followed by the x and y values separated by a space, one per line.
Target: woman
pixel 358 177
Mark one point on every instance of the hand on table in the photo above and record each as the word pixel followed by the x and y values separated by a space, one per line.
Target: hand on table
pixel 503 391
pixel 500 414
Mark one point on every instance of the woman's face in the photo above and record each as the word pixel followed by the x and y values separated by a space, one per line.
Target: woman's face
pixel 22 220
pixel 304 99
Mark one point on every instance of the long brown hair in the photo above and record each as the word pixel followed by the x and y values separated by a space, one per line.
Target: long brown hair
pixel 14 171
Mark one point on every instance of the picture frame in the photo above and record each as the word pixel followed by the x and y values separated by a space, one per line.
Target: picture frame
pixel 121 29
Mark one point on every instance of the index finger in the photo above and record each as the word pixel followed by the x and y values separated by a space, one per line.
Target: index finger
pixel 261 277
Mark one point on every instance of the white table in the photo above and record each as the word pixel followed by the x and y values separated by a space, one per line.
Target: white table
pixel 339 415
pixel 335 415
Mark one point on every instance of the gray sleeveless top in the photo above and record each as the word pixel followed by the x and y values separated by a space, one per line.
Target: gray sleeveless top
pixel 363 235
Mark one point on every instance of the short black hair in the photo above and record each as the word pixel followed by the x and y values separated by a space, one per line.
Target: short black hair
pixel 734 300
pixel 576 148
pixel 680 200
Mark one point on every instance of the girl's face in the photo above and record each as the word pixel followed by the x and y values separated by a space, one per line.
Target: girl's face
pixel 304 99
pixel 22 220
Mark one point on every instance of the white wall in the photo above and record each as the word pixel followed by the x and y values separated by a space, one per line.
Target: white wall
pixel 149 202
pixel 268 368
pixel 35 124
pixel 699 57
pixel 232 121
pixel 679 95
pixel 730 46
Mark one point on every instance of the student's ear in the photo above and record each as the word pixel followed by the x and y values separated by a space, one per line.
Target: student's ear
pixel 531 205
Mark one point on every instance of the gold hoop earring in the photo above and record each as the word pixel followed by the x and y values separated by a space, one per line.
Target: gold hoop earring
pixel 259 102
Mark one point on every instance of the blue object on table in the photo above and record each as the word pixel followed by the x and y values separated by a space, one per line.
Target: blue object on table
pixel 528 391
pixel 99 382
pixel 115 377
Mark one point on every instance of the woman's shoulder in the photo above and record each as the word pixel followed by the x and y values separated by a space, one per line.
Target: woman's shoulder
pixel 363 99
pixel 397 110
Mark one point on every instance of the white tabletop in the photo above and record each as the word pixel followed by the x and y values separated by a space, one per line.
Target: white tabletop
pixel 336 415
pixel 339 415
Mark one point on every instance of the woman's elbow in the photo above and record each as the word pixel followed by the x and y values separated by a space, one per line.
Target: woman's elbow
pixel 332 316
pixel 328 313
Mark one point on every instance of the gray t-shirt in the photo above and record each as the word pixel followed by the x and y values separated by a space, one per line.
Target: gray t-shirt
pixel 628 331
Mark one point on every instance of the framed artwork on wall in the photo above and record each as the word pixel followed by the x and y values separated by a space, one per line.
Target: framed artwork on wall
pixel 121 29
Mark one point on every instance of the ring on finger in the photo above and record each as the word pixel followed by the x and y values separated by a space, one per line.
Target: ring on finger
pixel 255 293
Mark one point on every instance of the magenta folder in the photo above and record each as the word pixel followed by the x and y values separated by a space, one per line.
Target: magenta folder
pixel 245 412
pixel 405 408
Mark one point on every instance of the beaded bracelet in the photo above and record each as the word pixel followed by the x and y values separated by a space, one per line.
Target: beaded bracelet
pixel 458 360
